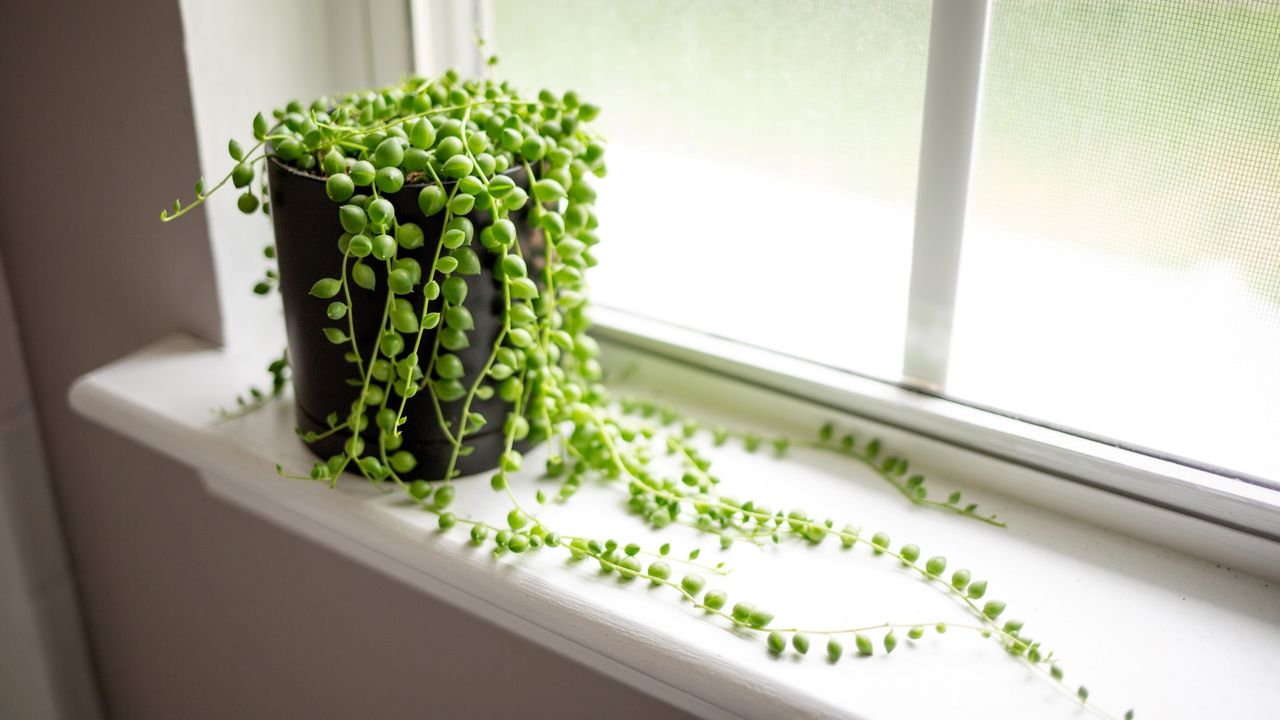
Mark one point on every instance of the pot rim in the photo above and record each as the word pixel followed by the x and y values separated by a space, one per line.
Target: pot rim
pixel 511 172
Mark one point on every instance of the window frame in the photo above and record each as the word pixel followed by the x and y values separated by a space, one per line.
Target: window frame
pixel 1231 500
pixel 953 91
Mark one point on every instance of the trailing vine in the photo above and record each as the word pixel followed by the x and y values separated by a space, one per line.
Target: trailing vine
pixel 891 468
pixel 278 370
pixel 490 162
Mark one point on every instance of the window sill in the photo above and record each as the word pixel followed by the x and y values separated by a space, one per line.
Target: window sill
pixel 1063 577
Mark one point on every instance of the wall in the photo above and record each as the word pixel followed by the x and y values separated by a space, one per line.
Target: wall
pixel 44 666
pixel 192 608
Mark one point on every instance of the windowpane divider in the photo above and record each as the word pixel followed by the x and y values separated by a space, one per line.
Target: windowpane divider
pixel 953 91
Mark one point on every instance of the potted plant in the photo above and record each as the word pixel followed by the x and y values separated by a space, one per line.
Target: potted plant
pixel 424 292
pixel 432 240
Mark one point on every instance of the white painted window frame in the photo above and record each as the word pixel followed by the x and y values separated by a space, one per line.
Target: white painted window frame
pixel 443 33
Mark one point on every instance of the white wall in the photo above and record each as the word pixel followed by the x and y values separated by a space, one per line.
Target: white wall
pixel 249 56
pixel 44 664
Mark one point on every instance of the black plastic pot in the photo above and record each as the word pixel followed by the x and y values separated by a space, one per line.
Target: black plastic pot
pixel 306 232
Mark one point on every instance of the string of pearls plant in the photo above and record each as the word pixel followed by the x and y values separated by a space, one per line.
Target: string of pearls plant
pixel 461 138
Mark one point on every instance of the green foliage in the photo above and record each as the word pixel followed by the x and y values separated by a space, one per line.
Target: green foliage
pixel 475 152
pixel 834 650
pixel 864 644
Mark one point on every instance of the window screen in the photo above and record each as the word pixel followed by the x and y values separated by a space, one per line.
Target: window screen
pixel 762 160
pixel 1120 270
pixel 1121 263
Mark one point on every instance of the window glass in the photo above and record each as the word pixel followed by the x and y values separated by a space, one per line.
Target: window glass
pixel 762 160
pixel 1121 262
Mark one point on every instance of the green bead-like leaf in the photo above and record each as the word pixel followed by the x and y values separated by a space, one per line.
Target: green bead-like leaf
pixel 326 288
pixel 339 187
pixel 432 199
pixel 363 173
pixel 391 344
pixel 410 236
pixel 513 266
pixel 910 553
pixel 363 276
pixel 446 265
pixel 423 134
pixel 389 180
pixel 834 650
pixel 468 263
pixel 455 290
pixel 381 213
pixel 777 642
pixel 864 644
pixel 520 337
pixel 448 390
pixel 353 218
pixel 247 203
pixel 389 153
pixel 936 566
pixel 458 317
pixel 403 461
pixel 359 245
pixel 334 162
pixel 547 190
pixel 500 186
pixel 458 166
pixel 462 204
pixel 400 281
pixel 290 149
pixel 443 497
pixel 454 339
pixel 800 642
pixel 693 584
pixel 453 238
pixel 383 247
pixel 420 489
pixel 628 568
pixel 449 366
pixel 242 175
pixel 410 266
pixel 404 321
pixel 523 289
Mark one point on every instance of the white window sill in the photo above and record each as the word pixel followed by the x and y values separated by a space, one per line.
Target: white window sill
pixel 1141 625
